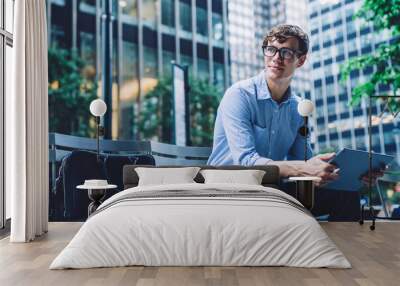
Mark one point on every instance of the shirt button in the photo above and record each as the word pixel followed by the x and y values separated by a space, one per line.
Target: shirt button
pixel 273 131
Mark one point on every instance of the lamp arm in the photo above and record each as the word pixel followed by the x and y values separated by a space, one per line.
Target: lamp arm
pixel 305 138
pixel 98 137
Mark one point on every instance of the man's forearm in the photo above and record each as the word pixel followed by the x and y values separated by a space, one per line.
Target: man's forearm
pixel 290 168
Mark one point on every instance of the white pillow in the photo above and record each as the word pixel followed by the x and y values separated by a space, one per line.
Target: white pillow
pixel 248 177
pixel 166 176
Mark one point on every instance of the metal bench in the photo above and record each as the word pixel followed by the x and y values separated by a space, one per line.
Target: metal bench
pixel 164 154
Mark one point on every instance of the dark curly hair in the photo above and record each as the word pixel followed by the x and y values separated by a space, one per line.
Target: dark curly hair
pixel 283 32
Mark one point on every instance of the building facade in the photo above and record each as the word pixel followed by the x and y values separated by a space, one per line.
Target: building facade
pixel 337 37
pixel 243 41
pixel 147 36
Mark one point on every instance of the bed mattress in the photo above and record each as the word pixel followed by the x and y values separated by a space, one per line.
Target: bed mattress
pixel 201 225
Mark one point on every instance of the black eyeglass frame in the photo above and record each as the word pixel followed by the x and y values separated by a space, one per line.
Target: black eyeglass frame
pixel 297 53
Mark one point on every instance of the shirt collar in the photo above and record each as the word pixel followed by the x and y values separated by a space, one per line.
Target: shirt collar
pixel 263 90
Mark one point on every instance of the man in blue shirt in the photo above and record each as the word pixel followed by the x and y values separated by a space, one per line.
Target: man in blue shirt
pixel 257 121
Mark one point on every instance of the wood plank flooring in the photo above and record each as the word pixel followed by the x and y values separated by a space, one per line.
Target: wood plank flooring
pixel 375 257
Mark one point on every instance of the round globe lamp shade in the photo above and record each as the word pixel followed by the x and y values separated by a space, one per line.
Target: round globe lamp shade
pixel 98 107
pixel 305 107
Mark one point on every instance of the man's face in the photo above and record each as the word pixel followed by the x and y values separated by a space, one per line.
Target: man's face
pixel 283 68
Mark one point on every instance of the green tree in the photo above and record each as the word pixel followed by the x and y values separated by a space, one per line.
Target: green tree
pixel 385 16
pixel 156 118
pixel 72 87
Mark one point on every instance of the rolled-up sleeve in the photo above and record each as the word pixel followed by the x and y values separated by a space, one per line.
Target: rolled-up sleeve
pixel 236 119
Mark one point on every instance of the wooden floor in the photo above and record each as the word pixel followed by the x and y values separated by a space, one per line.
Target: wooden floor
pixel 375 257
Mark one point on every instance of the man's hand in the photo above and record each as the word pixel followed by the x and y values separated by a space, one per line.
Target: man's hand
pixel 318 166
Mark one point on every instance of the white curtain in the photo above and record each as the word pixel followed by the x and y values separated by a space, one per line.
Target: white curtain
pixel 27 173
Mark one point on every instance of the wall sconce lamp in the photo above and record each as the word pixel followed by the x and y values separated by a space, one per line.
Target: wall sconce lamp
pixel 98 108
pixel 305 108
pixel 305 185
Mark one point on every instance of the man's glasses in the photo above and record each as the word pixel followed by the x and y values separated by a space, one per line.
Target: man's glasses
pixel 284 53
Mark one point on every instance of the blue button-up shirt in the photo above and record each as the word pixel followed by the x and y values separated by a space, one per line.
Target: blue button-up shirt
pixel 253 129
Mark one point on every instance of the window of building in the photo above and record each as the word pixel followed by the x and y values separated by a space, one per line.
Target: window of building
pixel 168 13
pixel 388 138
pixel 129 7
pixel 57 36
pixel 360 142
pixel 148 13
pixel 314 22
pixel 187 61
pixel 320 111
pixel 338 50
pixel 201 19
pixel 330 89
pixel 167 57
pixel 129 89
pixel 90 2
pixel 331 108
pixel 185 15
pixel 350 28
pixel 334 145
pixel 376 142
pixel 323 147
pixel 318 92
pixel 321 128
pixel 149 62
pixel 88 49
pixel 129 70
pixel 219 75
pixel 202 66
pixel 217 27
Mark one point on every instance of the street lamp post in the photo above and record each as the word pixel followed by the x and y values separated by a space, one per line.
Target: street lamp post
pixel 371 208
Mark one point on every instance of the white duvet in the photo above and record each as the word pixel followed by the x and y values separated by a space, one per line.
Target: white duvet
pixel 183 231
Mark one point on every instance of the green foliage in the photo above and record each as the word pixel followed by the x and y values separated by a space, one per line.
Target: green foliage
pixel 385 16
pixel 327 150
pixel 72 87
pixel 156 117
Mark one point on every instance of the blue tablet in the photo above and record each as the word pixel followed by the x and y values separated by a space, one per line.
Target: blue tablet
pixel 353 164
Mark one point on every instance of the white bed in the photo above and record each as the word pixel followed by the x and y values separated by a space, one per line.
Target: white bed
pixel 250 228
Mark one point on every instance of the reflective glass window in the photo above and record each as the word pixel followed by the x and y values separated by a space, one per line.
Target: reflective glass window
pixel 217 27
pixel 185 15
pixel 219 75
pixel 188 61
pixel 201 19
pixel 167 57
pixel 149 80
pixel 148 13
pixel 202 66
pixel 168 13
pixel 129 7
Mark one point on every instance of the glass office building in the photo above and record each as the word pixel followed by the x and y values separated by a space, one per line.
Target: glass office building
pixel 335 38
pixel 243 43
pixel 147 36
